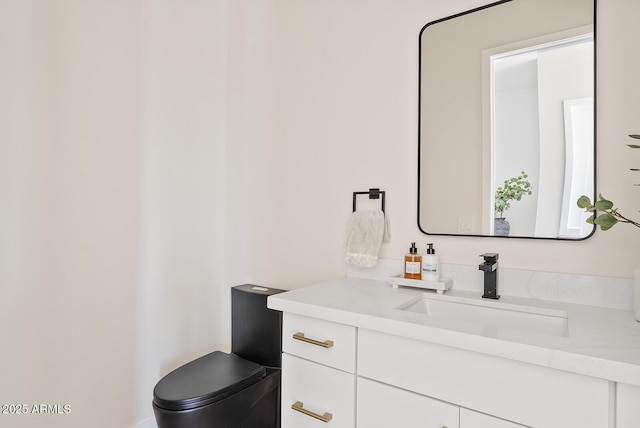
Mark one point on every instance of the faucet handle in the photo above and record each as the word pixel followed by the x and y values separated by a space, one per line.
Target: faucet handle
pixel 490 257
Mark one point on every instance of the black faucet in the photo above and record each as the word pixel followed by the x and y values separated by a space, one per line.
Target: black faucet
pixel 490 269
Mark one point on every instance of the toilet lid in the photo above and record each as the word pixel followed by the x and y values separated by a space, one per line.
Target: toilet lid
pixel 206 380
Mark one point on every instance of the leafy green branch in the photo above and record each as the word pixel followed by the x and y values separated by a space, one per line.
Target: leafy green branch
pixel 609 216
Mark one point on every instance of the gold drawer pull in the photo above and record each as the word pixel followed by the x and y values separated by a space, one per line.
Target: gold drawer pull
pixel 325 344
pixel 298 407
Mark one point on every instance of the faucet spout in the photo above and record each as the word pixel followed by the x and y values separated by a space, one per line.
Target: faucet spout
pixel 490 269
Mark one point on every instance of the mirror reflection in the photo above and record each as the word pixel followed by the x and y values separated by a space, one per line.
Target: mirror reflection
pixel 507 120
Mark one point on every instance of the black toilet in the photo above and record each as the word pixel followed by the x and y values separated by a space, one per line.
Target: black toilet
pixel 237 390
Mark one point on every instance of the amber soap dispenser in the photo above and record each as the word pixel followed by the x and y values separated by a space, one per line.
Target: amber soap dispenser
pixel 413 263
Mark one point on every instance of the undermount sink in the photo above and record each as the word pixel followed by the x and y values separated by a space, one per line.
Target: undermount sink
pixel 490 315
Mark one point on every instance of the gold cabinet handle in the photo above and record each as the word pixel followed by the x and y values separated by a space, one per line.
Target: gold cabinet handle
pixel 325 344
pixel 298 406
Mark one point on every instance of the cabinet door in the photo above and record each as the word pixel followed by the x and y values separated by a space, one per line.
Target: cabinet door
pixel 627 406
pixel 384 406
pixel 315 396
pixel 471 419
pixel 529 394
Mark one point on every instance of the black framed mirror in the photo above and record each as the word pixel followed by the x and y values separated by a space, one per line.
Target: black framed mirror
pixel 507 120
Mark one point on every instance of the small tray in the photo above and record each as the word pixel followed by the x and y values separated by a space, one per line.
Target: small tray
pixel 440 286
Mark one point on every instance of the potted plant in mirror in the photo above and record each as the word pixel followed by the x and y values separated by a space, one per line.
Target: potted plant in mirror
pixel 609 217
pixel 513 189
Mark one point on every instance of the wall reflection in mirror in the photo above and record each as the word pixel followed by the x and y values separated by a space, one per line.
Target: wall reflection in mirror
pixel 507 120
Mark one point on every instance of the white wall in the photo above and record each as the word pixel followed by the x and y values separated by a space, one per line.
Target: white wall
pixel 125 216
pixel 517 142
pixel 112 202
pixel 323 103
pixel 182 295
pixel 342 117
pixel 68 198
pixel 559 72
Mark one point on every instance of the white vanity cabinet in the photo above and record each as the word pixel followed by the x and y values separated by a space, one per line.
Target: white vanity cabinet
pixel 318 373
pixel 351 353
pixel 398 381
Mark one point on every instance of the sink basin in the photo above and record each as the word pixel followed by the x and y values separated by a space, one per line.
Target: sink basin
pixel 489 315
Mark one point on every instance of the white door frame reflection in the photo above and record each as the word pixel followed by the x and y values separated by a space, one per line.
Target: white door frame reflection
pixel 526 128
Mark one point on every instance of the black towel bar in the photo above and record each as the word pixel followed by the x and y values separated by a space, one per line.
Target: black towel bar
pixel 373 194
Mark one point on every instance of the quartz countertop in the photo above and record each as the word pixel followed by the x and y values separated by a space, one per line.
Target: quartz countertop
pixel 598 342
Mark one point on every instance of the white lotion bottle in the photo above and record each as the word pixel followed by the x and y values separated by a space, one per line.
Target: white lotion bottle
pixel 430 265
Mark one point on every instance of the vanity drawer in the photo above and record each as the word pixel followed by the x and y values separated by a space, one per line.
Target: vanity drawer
pixel 315 396
pixel 322 341
pixel 520 392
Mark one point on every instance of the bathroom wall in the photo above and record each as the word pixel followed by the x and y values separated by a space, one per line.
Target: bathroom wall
pixel 112 202
pixel 342 109
pixel 181 295
pixel 68 203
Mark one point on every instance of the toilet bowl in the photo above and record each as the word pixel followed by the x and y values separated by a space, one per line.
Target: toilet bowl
pixel 237 390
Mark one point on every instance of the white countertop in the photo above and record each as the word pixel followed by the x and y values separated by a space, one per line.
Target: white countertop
pixel 599 342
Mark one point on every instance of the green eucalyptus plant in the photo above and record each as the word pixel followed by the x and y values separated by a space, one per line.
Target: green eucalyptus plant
pixel 512 190
pixel 609 216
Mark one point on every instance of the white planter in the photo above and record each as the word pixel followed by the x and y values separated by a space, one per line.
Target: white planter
pixel 636 295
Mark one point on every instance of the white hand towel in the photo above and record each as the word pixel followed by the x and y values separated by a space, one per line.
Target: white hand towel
pixel 365 233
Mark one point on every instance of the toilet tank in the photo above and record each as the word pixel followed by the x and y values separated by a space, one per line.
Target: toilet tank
pixel 256 331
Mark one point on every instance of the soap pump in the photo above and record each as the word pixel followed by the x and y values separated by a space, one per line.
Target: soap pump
pixel 430 265
pixel 413 263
